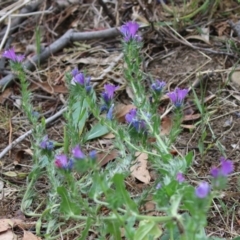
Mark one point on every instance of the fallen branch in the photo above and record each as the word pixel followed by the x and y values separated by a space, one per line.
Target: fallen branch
pixel 68 37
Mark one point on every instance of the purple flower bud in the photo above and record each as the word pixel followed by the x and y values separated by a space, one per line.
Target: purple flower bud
pixel 158 86
pixel 129 31
pixel 224 170
pixel 93 154
pixel 131 116
pixel 158 186
pixel 109 92
pixel 202 190
pixel 10 54
pixel 180 178
pixel 178 96
pixel 215 172
pixel 79 78
pixel 74 72
pixel 46 144
pixel 77 153
pixel 226 166
pixel 61 161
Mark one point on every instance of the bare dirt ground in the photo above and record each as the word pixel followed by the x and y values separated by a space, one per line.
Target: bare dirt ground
pixel 177 52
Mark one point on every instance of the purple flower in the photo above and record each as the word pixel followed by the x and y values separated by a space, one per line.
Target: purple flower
pixel 79 78
pixel 129 30
pixel 135 121
pixel 109 92
pixel 202 190
pixel 10 54
pixel 93 154
pixel 226 166
pixel 158 86
pixel 214 172
pixel 178 96
pixel 77 153
pixel 180 178
pixel 74 72
pixel 46 144
pixel 61 161
pixel 131 116
pixel 158 186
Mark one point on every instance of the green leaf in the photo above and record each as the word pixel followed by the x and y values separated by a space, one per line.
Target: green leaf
pixel 80 113
pixel 189 158
pixel 85 231
pixel 147 230
pixel 67 207
pixel 96 131
pixel 118 181
pixel 113 228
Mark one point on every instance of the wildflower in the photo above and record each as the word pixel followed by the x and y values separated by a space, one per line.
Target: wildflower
pixel 202 190
pixel 93 154
pixel 10 54
pixel 158 86
pixel 77 153
pixel 74 72
pixel 226 167
pixel 46 144
pixel 61 161
pixel 158 186
pixel 109 92
pixel 133 120
pixel 131 116
pixel 129 30
pixel 214 172
pixel 180 178
pixel 178 96
pixel 80 79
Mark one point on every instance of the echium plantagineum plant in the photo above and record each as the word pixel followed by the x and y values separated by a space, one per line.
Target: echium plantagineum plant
pixel 80 188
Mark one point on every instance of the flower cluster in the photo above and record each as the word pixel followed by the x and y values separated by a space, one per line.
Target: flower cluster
pixel 226 167
pixel 108 93
pixel 79 78
pixel 46 144
pixel 63 162
pixel 158 86
pixel 11 55
pixel 107 96
pixel 177 96
pixel 202 190
pixel 129 31
pixel 134 121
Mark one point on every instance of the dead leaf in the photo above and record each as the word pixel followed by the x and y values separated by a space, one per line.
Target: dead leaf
pixel 191 117
pixel 5 95
pixel 129 92
pixel 8 235
pixel 47 88
pixel 166 126
pixel 121 110
pixel 29 236
pixel 235 76
pixel 4 225
pixel 139 169
pixel 105 157
pixel 109 136
pixel 188 126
